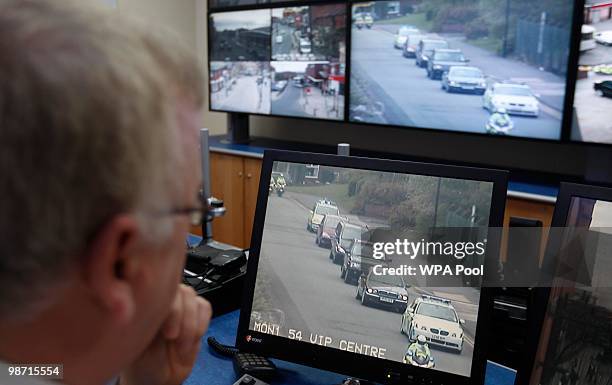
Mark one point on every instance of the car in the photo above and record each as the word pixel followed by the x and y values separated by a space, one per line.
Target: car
pixel 320 209
pixel 411 45
pixel 342 239
pixel 368 20
pixel 279 86
pixel 604 37
pixel 442 59
pixel 516 99
pixel 305 46
pixel 326 230
pixel 279 39
pixel 587 38
pixel 603 88
pixel 426 48
pixel 359 260
pixel 402 35
pixel 386 291
pixel 298 81
pixel 359 22
pixel 464 79
pixel 436 319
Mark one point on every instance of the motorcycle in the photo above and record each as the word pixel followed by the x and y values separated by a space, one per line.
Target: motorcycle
pixel 499 126
pixel 419 359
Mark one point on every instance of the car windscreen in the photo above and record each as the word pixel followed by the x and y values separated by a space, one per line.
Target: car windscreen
pixel 466 72
pixel 431 45
pixel 514 91
pixel 331 222
pixel 449 56
pixel 386 279
pixel 415 39
pixel 437 311
pixel 362 250
pixel 351 232
pixel 404 31
pixel 325 210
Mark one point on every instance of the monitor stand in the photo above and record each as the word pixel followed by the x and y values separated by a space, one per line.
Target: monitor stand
pixel 597 165
pixel 237 128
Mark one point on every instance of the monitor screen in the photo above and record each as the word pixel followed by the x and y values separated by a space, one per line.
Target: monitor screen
pixel 283 61
pixel 489 67
pixel 322 279
pixel 575 341
pixel 593 94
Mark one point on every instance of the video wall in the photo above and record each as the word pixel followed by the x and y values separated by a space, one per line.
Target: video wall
pixel 493 67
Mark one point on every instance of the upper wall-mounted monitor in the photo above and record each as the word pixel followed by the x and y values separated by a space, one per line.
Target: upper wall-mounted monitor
pixel 592 120
pixel 483 66
pixel 282 61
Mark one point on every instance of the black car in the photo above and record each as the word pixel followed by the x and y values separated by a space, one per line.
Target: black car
pixel 342 239
pixel 426 48
pixel 359 260
pixel 604 88
pixel 442 60
pixel 387 291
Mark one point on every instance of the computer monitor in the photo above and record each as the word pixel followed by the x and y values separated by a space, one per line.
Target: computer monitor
pixel 573 340
pixel 287 61
pixel 449 65
pixel 326 286
pixel 591 114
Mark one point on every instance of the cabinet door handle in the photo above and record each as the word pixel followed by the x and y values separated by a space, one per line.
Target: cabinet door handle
pixel 249 175
pixel 240 174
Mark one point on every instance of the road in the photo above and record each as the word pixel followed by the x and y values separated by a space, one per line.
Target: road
pixel 411 99
pixel 306 287
pixel 288 48
pixel 593 111
pixel 291 102
pixel 244 96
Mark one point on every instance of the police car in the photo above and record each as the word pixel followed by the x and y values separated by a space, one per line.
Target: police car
pixel 321 208
pixel 434 318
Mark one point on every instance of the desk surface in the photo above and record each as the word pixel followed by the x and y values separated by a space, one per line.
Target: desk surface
pixel 212 369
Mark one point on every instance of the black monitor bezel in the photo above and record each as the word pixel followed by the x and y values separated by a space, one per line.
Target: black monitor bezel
pixel 350 363
pixel 570 81
pixel 541 294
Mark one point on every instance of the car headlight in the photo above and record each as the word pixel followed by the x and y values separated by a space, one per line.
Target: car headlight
pixel 482 84
pixel 370 291
pixel 423 328
pixel 354 264
pixel 404 297
pixel 375 291
pixel 453 83
pixel 437 67
pixel 454 335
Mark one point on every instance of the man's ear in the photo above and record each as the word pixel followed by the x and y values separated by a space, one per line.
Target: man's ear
pixel 110 262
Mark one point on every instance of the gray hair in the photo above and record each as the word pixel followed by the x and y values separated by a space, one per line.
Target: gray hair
pixel 87 131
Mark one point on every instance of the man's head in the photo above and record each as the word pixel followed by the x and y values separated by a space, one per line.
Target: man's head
pixel 98 145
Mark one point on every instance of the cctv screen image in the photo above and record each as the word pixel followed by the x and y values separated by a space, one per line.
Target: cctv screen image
pixel 283 61
pixel 593 94
pixel 486 66
pixel 575 342
pixel 349 260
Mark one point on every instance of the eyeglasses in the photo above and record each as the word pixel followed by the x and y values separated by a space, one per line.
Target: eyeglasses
pixel 199 215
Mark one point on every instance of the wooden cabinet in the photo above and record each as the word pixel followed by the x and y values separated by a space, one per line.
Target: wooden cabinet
pixel 235 180
pixel 525 208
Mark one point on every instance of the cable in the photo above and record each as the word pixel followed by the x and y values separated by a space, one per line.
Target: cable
pixel 224 350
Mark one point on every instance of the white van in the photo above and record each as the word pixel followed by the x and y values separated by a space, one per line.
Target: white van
pixel 587 39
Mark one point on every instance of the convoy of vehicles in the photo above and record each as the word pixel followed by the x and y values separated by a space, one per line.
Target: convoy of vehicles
pixel 436 319
pixel 427 321
pixel 426 48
